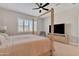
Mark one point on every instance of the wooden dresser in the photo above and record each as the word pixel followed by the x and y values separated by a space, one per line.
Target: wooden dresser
pixel 60 38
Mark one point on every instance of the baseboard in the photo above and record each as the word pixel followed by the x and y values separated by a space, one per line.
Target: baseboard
pixel 75 44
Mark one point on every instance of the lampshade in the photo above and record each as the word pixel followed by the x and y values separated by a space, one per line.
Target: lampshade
pixel 3 27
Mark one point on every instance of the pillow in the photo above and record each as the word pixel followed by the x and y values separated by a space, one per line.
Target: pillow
pixel 2 39
pixel 4 34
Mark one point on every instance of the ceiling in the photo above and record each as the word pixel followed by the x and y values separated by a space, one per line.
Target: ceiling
pixel 27 7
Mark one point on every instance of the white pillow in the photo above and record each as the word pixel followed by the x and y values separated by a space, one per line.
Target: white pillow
pixel 2 39
pixel 4 34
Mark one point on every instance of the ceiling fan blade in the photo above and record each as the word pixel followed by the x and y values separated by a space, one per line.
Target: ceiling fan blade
pixel 37 4
pixel 45 5
pixel 35 8
pixel 45 9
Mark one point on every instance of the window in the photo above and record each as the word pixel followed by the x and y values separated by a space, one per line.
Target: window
pixel 26 25
pixel 20 25
pixel 35 25
pixel 30 25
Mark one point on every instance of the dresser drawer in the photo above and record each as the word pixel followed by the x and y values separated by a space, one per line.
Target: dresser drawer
pixel 60 38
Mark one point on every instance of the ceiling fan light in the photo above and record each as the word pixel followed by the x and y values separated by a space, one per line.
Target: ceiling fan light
pixel 39 11
pixel 41 4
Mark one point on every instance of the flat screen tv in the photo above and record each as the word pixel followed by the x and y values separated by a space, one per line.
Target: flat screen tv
pixel 58 28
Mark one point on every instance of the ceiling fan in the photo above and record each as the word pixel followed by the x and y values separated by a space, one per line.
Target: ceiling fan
pixel 41 6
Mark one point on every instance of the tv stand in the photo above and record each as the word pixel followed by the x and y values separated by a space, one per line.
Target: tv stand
pixel 59 34
pixel 59 37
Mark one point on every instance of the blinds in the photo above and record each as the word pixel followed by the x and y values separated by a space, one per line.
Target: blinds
pixel 26 25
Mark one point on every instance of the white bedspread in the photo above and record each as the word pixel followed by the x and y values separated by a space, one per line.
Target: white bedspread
pixel 18 39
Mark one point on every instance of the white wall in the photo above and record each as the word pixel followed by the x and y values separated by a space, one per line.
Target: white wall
pixel 1 21
pixel 46 24
pixel 9 18
pixel 40 25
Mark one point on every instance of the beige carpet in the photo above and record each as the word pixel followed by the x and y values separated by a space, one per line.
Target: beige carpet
pixel 65 50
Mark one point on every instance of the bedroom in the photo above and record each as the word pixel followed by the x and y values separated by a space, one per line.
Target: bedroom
pixel 17 19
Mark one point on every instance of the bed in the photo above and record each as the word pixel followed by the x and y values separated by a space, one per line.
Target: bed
pixel 25 45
